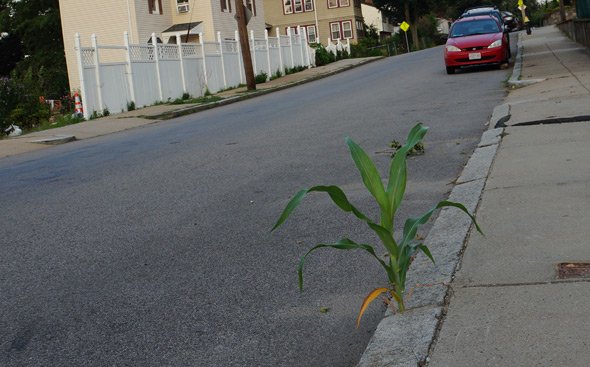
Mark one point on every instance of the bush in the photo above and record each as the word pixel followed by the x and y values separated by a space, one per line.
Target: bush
pixel 260 78
pixel 19 103
pixel 323 56
pixel 276 75
pixel 294 70
pixel 9 97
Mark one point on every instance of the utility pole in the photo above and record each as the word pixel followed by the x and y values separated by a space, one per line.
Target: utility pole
pixel 562 10
pixel 245 45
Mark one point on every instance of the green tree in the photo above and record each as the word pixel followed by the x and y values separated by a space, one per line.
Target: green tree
pixel 36 25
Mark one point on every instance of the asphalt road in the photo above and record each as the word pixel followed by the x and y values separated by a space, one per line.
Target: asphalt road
pixel 151 247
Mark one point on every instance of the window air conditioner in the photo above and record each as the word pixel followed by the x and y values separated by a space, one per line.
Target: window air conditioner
pixel 183 8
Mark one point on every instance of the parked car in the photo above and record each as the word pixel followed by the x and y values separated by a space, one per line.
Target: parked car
pixel 476 40
pixel 484 10
pixel 511 22
pixel 488 10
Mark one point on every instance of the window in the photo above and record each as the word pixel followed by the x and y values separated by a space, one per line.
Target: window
pixel 155 6
pixel 341 30
pixel 225 6
pixel 298 6
pixel 360 28
pixel 311 34
pixel 338 3
pixel 288 6
pixel 335 31
pixel 182 6
pixel 347 29
pixel 251 5
pixel 308 5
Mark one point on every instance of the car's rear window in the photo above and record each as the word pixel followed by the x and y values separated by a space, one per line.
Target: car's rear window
pixel 473 27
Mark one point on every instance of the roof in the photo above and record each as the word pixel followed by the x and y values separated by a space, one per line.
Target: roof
pixel 182 27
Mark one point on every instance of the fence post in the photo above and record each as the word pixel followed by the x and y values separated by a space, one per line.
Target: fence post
pixel 97 72
pixel 81 75
pixel 222 62
pixel 239 48
pixel 299 34
pixel 290 46
pixel 267 54
pixel 204 59
pixel 129 67
pixel 304 48
pixel 253 48
pixel 157 59
pixel 282 66
pixel 181 59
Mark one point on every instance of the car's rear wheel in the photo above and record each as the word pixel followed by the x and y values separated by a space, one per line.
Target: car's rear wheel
pixel 450 70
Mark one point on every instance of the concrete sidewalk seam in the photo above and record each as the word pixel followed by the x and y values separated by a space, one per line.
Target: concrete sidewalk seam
pixel 522 284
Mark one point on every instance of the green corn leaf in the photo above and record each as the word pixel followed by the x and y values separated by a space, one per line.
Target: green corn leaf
pixel 387 238
pixel 463 209
pixel 369 173
pixel 426 252
pixel 293 203
pixel 337 196
pixel 396 185
pixel 344 244
pixel 412 224
pixel 416 135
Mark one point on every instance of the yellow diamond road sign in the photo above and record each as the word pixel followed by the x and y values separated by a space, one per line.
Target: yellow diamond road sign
pixel 520 3
pixel 404 26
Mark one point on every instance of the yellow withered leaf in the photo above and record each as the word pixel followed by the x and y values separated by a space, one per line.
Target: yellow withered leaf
pixel 370 298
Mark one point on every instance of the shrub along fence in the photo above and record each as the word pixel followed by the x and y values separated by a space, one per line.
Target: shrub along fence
pixel 112 77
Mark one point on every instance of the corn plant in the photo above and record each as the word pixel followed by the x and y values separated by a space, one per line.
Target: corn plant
pixel 401 252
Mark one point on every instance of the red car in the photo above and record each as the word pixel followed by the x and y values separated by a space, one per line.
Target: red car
pixel 476 40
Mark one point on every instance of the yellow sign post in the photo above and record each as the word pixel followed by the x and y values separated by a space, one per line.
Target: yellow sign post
pixel 404 27
pixel 525 19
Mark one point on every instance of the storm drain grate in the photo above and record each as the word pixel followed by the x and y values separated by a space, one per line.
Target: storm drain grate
pixel 573 270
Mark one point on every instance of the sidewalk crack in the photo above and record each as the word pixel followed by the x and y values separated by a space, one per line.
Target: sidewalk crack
pixel 520 284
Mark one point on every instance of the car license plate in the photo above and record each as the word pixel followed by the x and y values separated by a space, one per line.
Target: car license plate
pixel 475 56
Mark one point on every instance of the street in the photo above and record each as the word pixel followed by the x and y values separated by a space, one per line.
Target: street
pixel 152 247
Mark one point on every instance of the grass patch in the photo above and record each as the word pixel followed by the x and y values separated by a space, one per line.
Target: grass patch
pixel 200 100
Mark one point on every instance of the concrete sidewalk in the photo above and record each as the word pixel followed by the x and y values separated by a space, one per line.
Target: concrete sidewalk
pixel 153 114
pixel 498 300
pixel 508 305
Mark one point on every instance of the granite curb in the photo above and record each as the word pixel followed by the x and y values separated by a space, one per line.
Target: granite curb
pixel 404 340
pixel 515 80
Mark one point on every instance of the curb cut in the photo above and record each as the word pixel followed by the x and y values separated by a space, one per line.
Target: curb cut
pixel 55 140
pixel 258 93
pixel 404 340
pixel 514 80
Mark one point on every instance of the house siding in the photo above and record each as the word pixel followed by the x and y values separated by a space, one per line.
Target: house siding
pixel 107 22
pixel 225 22
pixel 109 19
pixel 276 17
pixel 147 23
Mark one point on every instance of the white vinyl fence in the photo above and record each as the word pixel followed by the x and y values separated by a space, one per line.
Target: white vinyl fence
pixel 112 77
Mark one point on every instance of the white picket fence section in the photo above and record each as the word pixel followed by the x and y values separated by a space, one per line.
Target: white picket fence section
pixel 336 45
pixel 146 74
